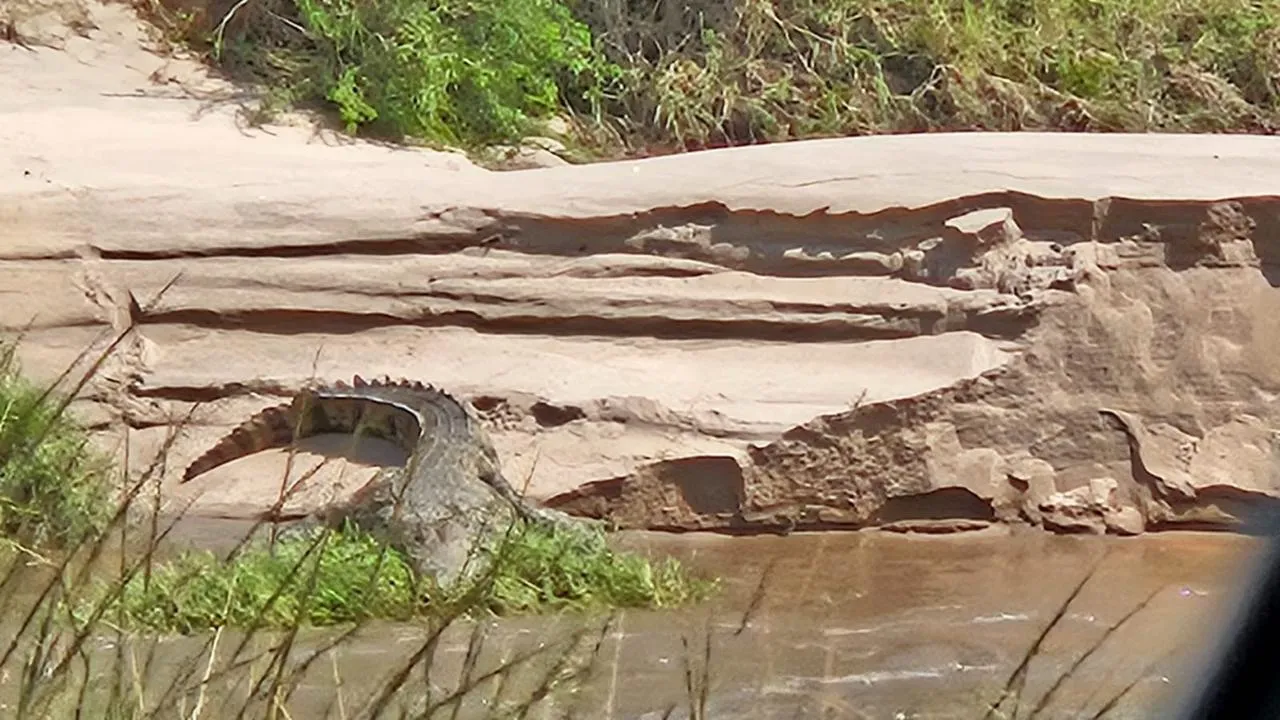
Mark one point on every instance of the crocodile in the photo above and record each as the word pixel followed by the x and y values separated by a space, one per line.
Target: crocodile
pixel 448 498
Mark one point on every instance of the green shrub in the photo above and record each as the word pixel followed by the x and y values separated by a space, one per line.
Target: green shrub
pixel 312 579
pixel 325 578
pixel 541 568
pixel 460 72
pixel 671 75
pixel 54 490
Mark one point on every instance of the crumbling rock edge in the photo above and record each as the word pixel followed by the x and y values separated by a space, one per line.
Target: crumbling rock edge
pixel 1195 447
pixel 507 220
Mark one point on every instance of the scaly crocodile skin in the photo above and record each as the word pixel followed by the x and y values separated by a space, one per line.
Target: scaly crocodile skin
pixel 426 508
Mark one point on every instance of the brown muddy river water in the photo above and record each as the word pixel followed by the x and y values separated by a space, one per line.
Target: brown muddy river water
pixel 868 625
pixel 876 625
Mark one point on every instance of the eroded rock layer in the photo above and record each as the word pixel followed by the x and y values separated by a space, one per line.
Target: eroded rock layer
pixel 1142 396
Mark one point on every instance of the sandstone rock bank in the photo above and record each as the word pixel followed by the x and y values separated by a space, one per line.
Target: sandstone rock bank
pixel 1074 331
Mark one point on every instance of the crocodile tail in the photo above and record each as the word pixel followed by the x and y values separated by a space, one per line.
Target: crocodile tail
pixel 393 409
pixel 271 428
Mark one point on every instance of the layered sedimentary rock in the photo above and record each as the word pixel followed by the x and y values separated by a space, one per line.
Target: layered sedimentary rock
pixel 1077 332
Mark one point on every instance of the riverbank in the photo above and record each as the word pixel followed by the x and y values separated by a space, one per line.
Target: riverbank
pixel 83 560
pixel 608 80
pixel 980 327
pixel 911 627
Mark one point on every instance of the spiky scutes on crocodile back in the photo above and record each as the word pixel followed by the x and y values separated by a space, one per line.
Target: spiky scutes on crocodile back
pixel 416 417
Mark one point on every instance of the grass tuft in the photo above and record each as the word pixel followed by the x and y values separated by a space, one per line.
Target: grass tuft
pixel 540 569
pixel 325 578
pixel 271 587
pixel 54 490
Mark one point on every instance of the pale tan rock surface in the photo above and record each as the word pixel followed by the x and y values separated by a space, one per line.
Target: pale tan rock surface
pixel 900 330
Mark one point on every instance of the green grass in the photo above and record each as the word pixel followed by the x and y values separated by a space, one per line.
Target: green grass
pixel 54 490
pixel 667 76
pixel 539 568
pixel 326 578
pixel 310 580
pixel 804 68
pixel 454 72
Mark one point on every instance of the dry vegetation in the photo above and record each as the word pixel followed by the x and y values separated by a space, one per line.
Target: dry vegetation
pixel 643 77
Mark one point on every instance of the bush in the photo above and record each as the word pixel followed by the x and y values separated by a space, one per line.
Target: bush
pixel 314 579
pixel 54 490
pixel 459 72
